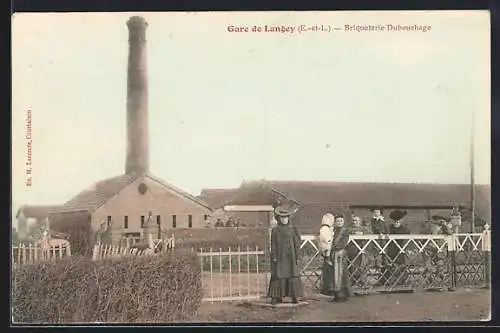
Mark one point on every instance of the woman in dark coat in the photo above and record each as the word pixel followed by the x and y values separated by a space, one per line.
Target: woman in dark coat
pixel 285 251
pixel 396 270
pixel 341 280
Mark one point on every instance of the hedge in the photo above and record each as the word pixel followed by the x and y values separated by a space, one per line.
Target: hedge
pixel 222 238
pixel 131 289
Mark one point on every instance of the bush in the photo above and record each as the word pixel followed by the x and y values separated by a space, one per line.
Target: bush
pixel 131 289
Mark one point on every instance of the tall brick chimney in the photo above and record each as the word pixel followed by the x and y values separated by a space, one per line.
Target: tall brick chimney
pixel 137 98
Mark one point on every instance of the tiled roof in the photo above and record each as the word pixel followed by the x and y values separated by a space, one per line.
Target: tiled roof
pixel 36 211
pixel 98 194
pixel 365 194
pixel 217 198
pixel 180 192
pixel 101 192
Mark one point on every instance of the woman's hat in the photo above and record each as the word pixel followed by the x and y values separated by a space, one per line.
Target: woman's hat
pixel 285 210
pixel 439 218
pixel 376 208
pixel 397 214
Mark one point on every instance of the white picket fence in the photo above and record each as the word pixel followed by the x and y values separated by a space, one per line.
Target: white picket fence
pixel 30 253
pixel 102 251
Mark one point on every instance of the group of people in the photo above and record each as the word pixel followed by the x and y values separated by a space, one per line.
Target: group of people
pixel 229 223
pixel 337 252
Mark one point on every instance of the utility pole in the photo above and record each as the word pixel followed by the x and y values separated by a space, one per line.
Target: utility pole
pixel 472 180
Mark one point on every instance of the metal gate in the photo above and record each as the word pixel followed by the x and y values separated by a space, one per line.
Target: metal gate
pixel 405 262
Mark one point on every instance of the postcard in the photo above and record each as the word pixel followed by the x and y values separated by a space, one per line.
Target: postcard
pixel 251 167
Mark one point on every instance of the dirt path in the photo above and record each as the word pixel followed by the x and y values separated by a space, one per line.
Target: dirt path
pixel 425 306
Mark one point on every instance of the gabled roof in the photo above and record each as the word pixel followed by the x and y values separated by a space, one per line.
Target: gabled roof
pixel 101 192
pixel 36 211
pixel 217 198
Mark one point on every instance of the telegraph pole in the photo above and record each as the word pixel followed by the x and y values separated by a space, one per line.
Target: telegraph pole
pixel 472 180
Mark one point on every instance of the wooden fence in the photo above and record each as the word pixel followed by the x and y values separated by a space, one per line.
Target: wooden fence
pixel 102 251
pixel 30 253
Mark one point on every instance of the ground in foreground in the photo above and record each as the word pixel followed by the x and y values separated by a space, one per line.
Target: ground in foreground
pixel 460 305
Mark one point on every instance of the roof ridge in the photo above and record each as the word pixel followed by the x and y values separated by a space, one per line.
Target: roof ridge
pixel 178 190
pixel 360 182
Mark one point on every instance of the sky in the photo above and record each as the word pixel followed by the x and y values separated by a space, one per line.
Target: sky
pixel 231 106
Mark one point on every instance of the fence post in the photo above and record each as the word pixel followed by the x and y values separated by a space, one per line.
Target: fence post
pixel 24 254
pixel 451 262
pixel 486 248
pixel 211 276
pixel 30 258
pixel 230 273
pixel 95 252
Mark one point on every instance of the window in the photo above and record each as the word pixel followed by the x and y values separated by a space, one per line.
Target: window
pixel 190 221
pixel 109 220
pixel 205 217
pixel 125 222
pixel 142 221
pixel 158 219
pixel 174 221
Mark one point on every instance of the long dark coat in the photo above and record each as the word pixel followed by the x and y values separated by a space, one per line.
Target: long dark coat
pixel 340 261
pixel 395 273
pixel 285 251
pixel 392 249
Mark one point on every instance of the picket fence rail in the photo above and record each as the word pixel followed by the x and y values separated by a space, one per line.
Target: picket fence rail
pixel 29 253
pixel 102 251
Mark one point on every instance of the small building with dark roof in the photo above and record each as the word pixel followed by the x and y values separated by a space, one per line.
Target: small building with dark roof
pixel 29 215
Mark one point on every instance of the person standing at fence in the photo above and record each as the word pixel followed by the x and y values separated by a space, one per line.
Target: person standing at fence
pixel 379 227
pixel 285 251
pixel 395 273
pixel 456 220
pixel 359 261
pixel 436 272
pixel 325 246
pixel 341 281
pixel 377 223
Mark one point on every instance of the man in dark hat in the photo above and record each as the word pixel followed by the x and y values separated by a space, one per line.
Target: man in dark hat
pixel 285 251
pixel 441 226
pixel 341 281
pixel 435 273
pixel 396 270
